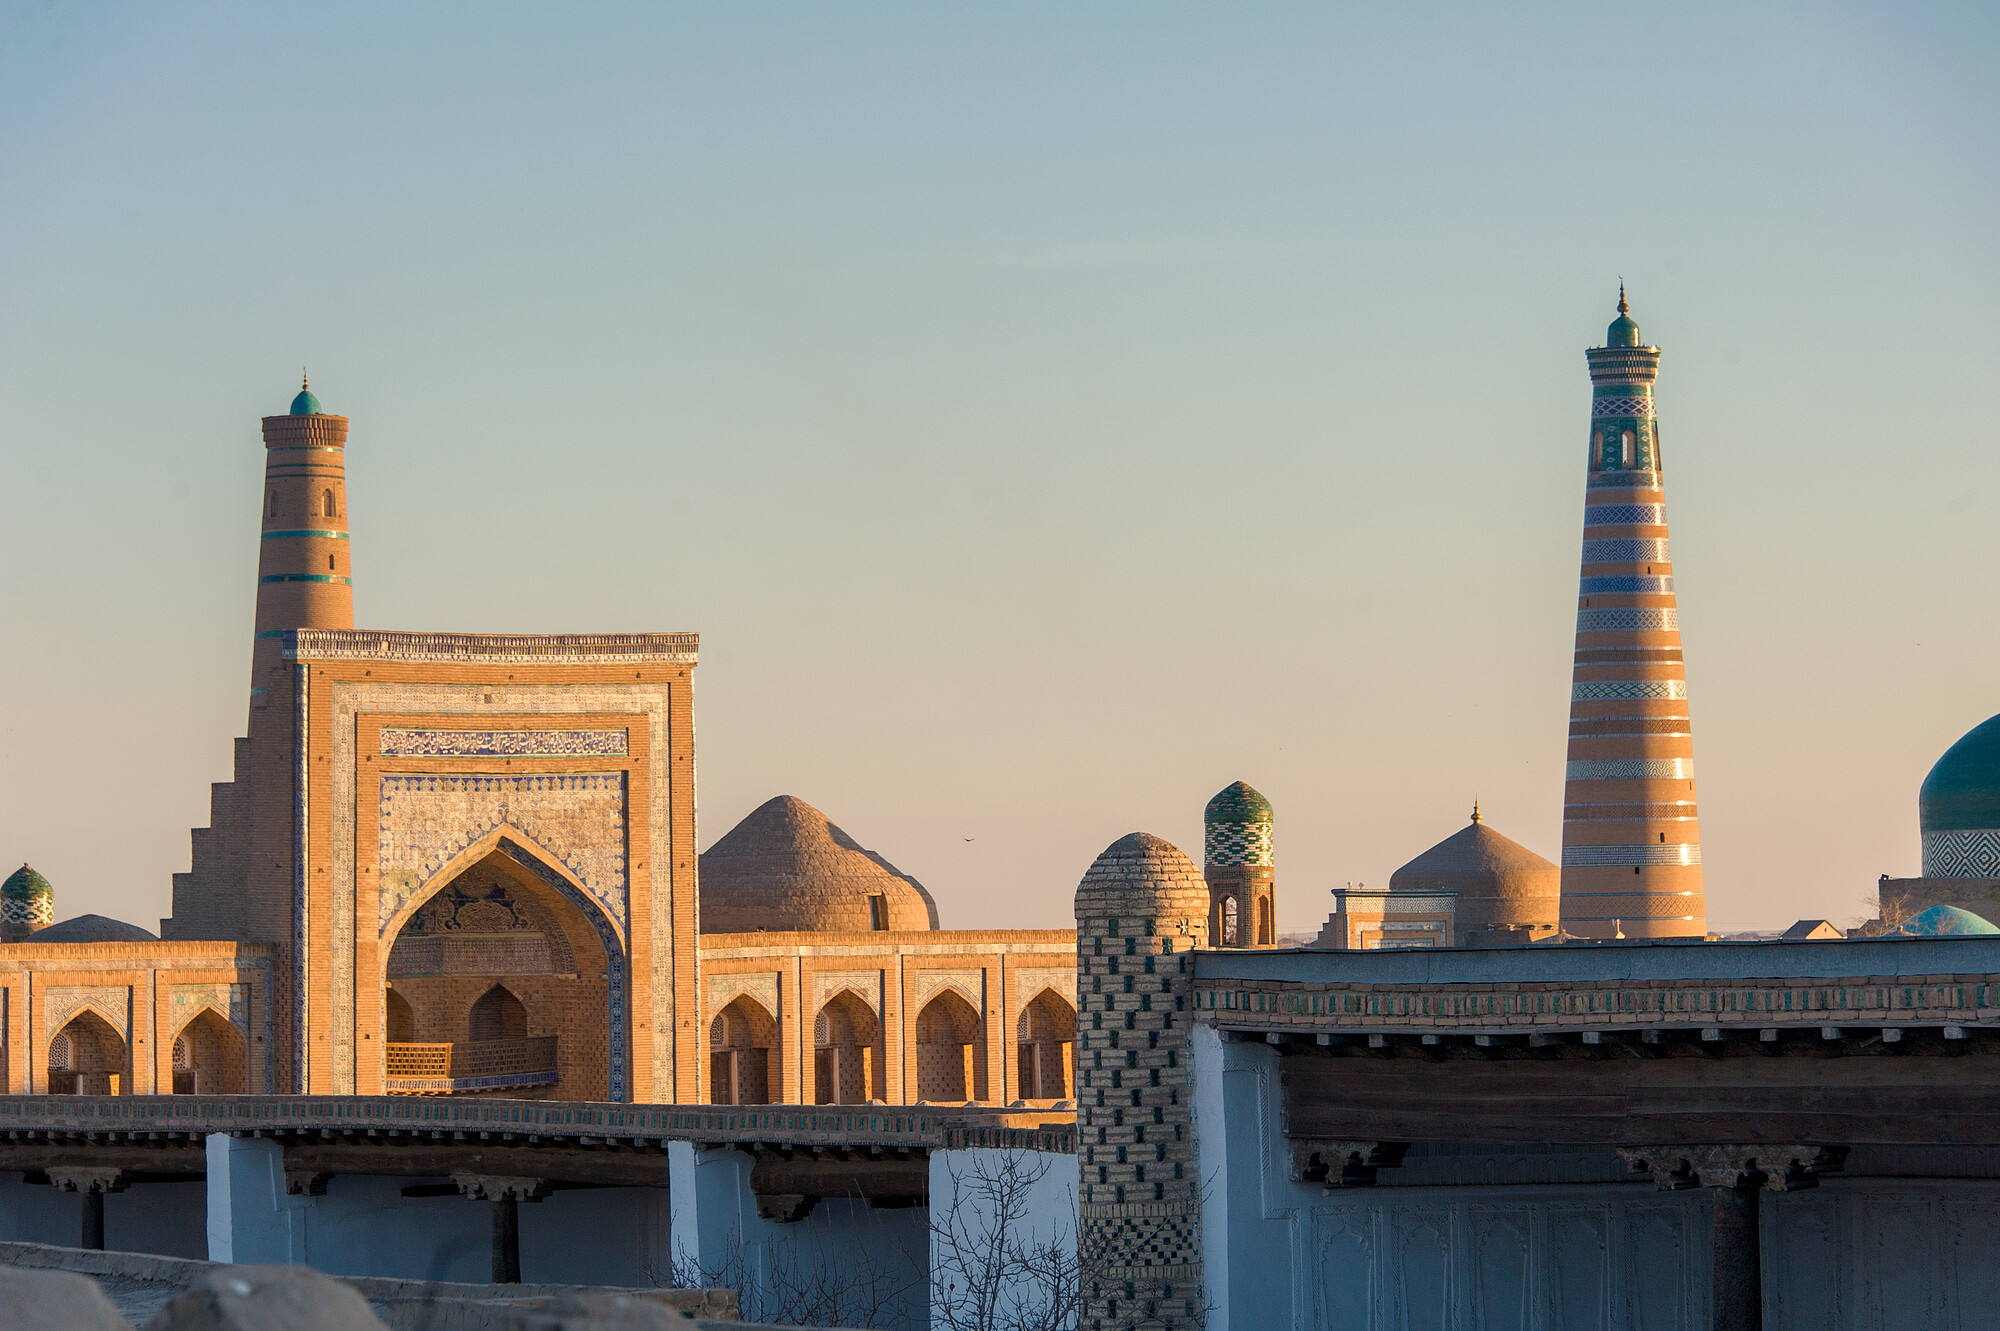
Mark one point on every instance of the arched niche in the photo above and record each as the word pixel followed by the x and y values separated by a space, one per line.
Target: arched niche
pixel 504 920
pixel 847 1052
pixel 88 1057
pixel 1045 1038
pixel 951 1051
pixel 743 1065
pixel 210 1057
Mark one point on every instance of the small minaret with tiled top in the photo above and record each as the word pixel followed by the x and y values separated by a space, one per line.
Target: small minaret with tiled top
pixel 1141 911
pixel 303 578
pixel 1631 861
pixel 1238 864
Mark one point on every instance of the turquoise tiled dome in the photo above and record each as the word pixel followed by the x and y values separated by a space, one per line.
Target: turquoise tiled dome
pixel 305 404
pixel 1624 330
pixel 1962 791
pixel 1947 922
pixel 1237 803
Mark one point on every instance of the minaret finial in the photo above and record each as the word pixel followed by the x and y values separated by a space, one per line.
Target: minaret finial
pixel 1475 808
pixel 1623 308
pixel 305 383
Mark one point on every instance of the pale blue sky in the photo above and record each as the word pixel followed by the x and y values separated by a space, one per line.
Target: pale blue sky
pixel 1046 414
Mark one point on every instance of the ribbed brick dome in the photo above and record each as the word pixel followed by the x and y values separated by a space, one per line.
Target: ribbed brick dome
pixel 787 868
pixel 1139 874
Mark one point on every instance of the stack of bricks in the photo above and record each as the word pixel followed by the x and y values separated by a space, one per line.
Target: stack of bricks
pixel 1141 910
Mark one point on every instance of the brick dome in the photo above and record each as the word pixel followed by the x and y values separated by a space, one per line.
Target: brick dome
pixel 787 868
pixel 1139 874
pixel 1500 882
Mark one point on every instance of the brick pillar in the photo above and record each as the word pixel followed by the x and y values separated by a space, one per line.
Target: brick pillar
pixel 1141 910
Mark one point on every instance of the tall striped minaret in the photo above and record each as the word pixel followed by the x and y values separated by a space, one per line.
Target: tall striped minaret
pixel 1631 862
pixel 303 579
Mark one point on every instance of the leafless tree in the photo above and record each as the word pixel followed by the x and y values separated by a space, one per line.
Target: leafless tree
pixel 1885 912
pixel 990 1269
pixel 810 1281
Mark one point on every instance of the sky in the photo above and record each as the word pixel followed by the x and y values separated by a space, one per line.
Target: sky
pixel 1046 414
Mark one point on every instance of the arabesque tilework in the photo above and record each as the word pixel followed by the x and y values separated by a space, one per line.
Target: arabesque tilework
pixel 401 743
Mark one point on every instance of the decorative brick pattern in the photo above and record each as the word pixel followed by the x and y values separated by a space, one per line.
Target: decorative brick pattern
pixel 1141 911
pixel 1624 857
pixel 967 984
pixel 1629 619
pixel 400 743
pixel 1603 407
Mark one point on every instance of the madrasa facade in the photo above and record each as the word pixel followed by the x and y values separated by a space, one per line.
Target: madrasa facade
pixel 465 864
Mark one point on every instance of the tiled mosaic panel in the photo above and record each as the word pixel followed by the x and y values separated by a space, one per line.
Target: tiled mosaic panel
pixel 1628 690
pixel 1625 480
pixel 401 743
pixel 1962 854
pixel 1604 407
pixel 36 911
pixel 1232 845
pixel 1626 551
pixel 1597 857
pixel 1625 515
pixel 1627 586
pixel 1629 619
pixel 1629 769
pixel 578 821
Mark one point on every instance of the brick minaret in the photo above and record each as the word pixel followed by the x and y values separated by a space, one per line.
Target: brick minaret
pixel 1141 911
pixel 1238 864
pixel 1631 860
pixel 302 571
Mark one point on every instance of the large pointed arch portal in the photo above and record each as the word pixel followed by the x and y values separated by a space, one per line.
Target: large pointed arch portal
pixel 499 919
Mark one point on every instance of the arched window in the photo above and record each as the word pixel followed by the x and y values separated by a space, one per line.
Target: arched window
pixel 498 1015
pixel 59 1052
pixel 272 510
pixel 1265 935
pixel 1230 934
pixel 326 503
pixel 1596 449
pixel 1625 449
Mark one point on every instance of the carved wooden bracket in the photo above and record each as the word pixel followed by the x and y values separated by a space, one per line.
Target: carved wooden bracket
pixel 1779 1168
pixel 496 1187
pixel 1342 1164
pixel 86 1178
pixel 785 1208
pixel 305 1182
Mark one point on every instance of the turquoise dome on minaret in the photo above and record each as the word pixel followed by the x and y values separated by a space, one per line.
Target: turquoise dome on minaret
pixel 27 903
pixel 1624 330
pixel 305 404
pixel 1237 827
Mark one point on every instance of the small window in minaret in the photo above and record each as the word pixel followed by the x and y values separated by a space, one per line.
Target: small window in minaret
pixel 326 496
pixel 1229 921
pixel 1625 449
pixel 1596 448
pixel 273 509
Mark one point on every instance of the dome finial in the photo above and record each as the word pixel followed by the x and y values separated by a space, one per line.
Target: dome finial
pixel 1623 308
pixel 305 384
pixel 1475 808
